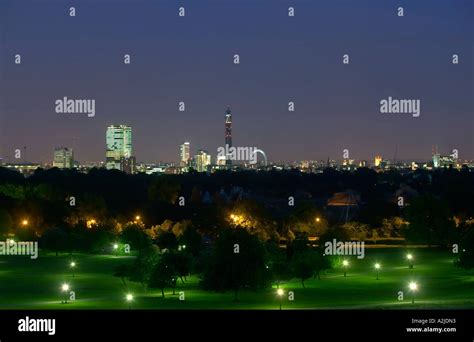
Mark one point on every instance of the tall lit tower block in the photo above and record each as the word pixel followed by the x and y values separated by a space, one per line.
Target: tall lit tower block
pixel 228 134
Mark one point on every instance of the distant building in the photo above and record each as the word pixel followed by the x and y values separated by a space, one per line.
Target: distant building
pixel 436 159
pixel 377 161
pixel 221 161
pixel 228 135
pixel 63 158
pixel 27 169
pixel 184 154
pixel 128 165
pixel 174 170
pixel 343 206
pixel 119 146
pixel 202 160
pixel 447 161
pixel 344 199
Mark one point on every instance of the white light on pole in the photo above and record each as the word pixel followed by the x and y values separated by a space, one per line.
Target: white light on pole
pixel 410 260
pixel 73 266
pixel 65 288
pixel 345 263
pixel 377 267
pixel 280 294
pixel 413 288
pixel 129 299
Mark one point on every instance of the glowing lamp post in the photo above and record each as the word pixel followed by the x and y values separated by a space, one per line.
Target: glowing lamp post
pixel 73 266
pixel 410 260
pixel 413 288
pixel 24 223
pixel 318 219
pixel 116 246
pixel 345 263
pixel 65 289
pixel 129 299
pixel 377 267
pixel 280 294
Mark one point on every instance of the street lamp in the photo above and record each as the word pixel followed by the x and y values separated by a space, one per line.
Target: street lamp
pixel 129 299
pixel 413 287
pixel 377 267
pixel 137 218
pixel 24 223
pixel 410 260
pixel 318 219
pixel 65 289
pixel 116 246
pixel 280 294
pixel 345 263
pixel 73 265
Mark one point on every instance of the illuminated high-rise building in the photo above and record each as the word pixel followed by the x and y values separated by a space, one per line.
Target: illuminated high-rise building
pixel 184 154
pixel 228 134
pixel 377 161
pixel 202 161
pixel 436 160
pixel 63 158
pixel 119 146
pixel 220 161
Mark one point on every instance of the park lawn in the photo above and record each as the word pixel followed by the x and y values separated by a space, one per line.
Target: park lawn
pixel 35 284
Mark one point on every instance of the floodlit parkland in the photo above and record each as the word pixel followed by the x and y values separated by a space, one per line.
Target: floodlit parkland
pixel 36 284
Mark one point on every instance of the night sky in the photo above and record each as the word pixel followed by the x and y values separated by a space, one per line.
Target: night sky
pixel 282 59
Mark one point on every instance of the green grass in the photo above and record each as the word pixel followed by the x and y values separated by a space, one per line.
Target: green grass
pixel 35 284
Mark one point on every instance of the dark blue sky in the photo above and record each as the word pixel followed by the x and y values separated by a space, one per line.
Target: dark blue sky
pixel 282 59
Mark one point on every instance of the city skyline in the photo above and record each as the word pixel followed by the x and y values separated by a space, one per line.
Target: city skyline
pixel 118 148
pixel 282 60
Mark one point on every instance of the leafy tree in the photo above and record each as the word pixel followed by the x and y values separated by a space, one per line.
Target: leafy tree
pixel 144 265
pixel 167 240
pixel 164 188
pixel 97 238
pixel 90 207
pixel 252 215
pixel 280 268
pixel 299 245
pixel 26 234
pixel 357 230
pixel 308 219
pixel 13 191
pixel 179 228
pixel 237 261
pixel 122 271
pixel 393 227
pixel 430 221
pixel 192 240
pixel 304 265
pixel 135 235
pixel 55 239
pixel 162 276
pixel 337 232
pixel 321 262
pixel 6 222
pixel 180 262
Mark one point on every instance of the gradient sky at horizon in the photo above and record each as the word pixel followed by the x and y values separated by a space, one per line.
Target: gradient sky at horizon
pixel 283 59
